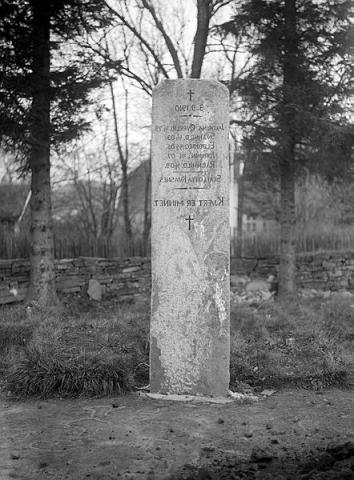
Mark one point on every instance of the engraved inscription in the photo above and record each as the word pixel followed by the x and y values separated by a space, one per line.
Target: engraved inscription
pixel 190 142
pixel 191 162
pixel 217 202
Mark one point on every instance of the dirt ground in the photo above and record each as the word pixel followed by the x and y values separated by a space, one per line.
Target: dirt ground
pixel 289 435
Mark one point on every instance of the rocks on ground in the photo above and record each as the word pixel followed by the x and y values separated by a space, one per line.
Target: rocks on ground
pixel 259 290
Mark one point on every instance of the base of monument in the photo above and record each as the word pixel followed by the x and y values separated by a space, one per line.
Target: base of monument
pixel 231 397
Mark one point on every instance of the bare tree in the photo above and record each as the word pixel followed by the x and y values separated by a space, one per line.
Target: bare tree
pixel 89 192
pixel 165 52
pixel 146 49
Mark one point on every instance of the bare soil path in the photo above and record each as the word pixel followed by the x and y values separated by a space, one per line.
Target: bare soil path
pixel 291 434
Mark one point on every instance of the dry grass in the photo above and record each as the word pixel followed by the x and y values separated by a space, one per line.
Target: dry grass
pixel 303 344
pixel 86 349
pixel 95 349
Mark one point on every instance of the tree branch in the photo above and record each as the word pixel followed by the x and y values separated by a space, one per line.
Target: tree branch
pixel 201 36
pixel 140 37
pixel 167 38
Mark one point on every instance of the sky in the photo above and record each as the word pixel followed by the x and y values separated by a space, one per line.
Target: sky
pixel 180 24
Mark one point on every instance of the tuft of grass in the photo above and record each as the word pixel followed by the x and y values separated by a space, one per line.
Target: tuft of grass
pixel 47 376
pixel 99 350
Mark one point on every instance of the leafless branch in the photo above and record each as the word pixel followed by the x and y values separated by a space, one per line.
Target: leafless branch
pixel 170 46
pixel 140 37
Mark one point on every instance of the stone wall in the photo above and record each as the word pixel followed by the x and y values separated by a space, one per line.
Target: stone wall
pixel 127 278
pixel 321 271
pixel 130 278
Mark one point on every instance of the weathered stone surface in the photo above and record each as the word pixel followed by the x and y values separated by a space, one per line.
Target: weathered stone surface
pixel 94 290
pixel 190 239
pixel 257 284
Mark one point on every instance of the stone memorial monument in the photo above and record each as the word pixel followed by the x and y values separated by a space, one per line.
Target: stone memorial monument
pixel 190 238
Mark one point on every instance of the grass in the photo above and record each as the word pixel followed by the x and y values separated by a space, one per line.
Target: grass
pixel 15 332
pixel 86 349
pixel 95 349
pixel 304 344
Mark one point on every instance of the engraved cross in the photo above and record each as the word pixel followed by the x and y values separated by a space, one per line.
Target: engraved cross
pixel 190 93
pixel 189 221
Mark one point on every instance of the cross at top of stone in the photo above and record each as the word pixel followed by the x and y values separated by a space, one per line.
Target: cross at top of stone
pixel 190 93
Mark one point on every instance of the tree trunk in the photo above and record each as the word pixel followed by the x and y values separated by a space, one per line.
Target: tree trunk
pixel 124 168
pixel 239 177
pixel 125 197
pixel 287 268
pixel 240 203
pixel 42 290
pixel 201 36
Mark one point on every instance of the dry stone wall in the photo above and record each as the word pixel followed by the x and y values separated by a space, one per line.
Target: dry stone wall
pixel 320 271
pixel 130 278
